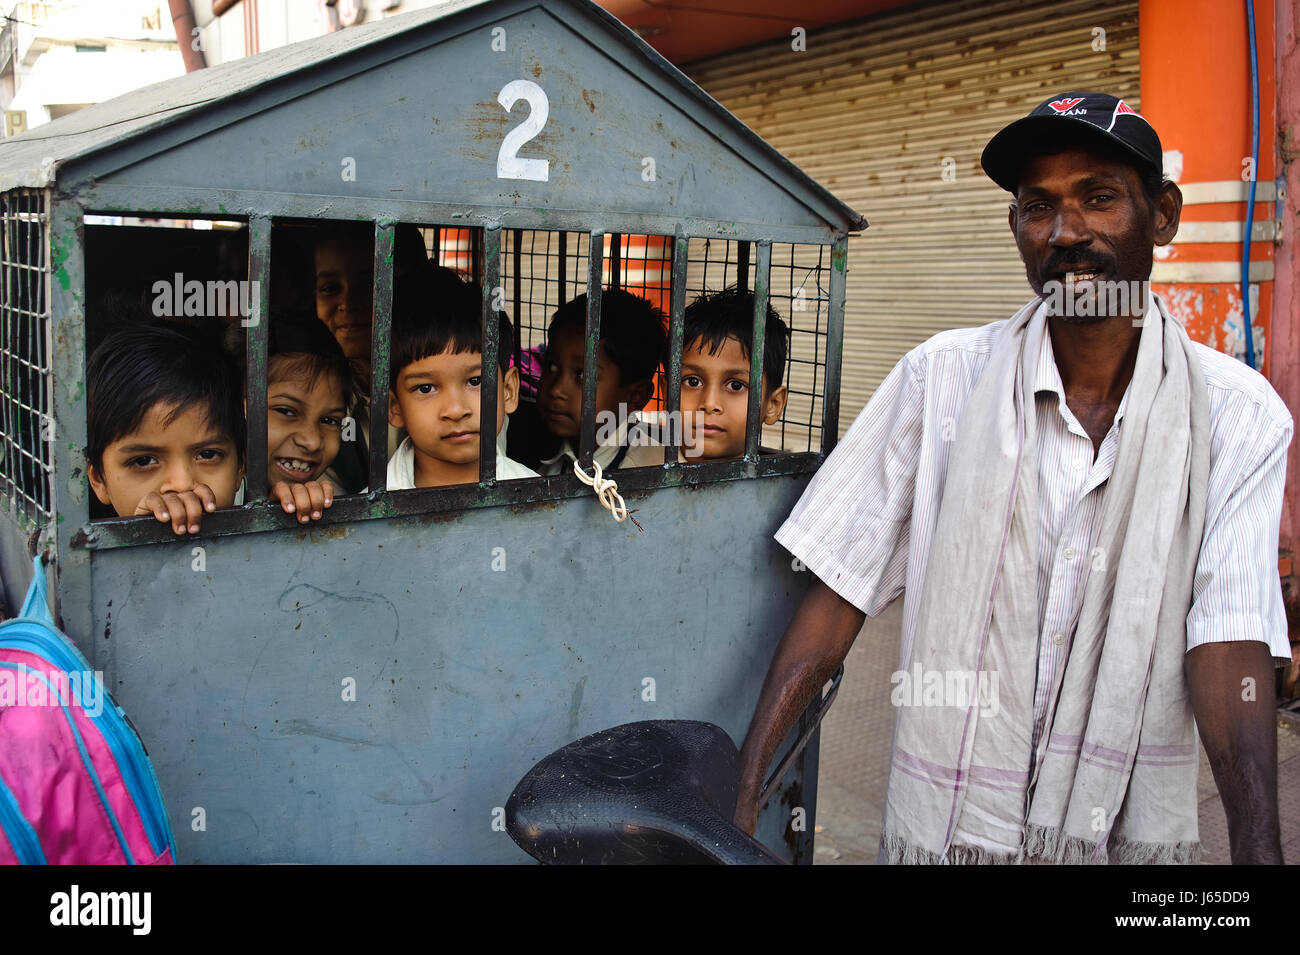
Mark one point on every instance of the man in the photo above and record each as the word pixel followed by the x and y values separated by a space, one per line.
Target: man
pixel 1082 507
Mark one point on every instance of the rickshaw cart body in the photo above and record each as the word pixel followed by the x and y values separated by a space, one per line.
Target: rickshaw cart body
pixel 479 628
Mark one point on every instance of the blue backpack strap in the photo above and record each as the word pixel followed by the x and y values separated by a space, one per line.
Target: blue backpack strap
pixel 36 605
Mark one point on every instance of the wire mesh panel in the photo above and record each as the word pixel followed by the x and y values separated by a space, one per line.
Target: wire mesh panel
pixel 26 425
pixel 799 292
pixel 540 271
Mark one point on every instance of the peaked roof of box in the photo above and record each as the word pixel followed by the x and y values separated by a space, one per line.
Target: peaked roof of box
pixel 40 157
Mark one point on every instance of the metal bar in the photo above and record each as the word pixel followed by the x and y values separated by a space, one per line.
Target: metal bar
pixel 834 344
pixel 616 261
pixel 380 353
pixel 476 255
pixel 487 431
pixel 259 275
pixel 595 268
pixel 436 255
pixel 262 516
pixel 676 335
pixel 812 718
pixel 66 244
pixel 742 266
pixel 564 267
pixel 754 418
pixel 517 263
pixel 194 202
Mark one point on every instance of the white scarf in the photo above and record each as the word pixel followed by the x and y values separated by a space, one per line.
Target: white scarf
pixel 1117 781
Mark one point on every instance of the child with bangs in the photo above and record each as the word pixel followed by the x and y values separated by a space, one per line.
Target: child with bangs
pixel 436 374
pixel 165 424
pixel 309 387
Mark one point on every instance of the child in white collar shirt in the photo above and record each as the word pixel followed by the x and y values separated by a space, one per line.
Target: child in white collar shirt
pixel 633 336
pixel 436 372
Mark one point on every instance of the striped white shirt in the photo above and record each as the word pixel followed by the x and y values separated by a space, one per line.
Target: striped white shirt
pixel 866 522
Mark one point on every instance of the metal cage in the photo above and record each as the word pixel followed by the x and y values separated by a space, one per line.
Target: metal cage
pixel 478 626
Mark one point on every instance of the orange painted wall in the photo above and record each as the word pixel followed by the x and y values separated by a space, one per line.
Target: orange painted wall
pixel 1196 93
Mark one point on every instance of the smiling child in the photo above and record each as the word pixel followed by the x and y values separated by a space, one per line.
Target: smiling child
pixel 309 387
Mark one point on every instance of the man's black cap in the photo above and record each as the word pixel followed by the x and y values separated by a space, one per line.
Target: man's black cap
pixel 1096 116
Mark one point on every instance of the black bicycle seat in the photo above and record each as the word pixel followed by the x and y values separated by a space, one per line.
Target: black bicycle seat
pixel 657 791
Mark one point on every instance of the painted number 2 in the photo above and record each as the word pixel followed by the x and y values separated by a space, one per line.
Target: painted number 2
pixel 509 165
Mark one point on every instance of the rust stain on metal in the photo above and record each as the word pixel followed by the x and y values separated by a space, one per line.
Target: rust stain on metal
pixel 586 98
pixel 443 517
pixel 330 532
pixel 531 506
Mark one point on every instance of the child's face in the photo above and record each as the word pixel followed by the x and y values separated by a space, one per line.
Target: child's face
pixel 345 292
pixel 161 457
pixel 437 402
pixel 715 400
pixel 559 394
pixel 304 423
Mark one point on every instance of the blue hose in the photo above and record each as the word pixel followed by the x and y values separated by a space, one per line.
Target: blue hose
pixel 1254 167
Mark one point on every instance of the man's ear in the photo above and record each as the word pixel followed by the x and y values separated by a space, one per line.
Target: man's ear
pixel 638 394
pixel 394 411
pixel 1168 211
pixel 508 394
pixel 774 405
pixel 98 485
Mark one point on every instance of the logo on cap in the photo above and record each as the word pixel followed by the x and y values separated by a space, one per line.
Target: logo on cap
pixel 1065 105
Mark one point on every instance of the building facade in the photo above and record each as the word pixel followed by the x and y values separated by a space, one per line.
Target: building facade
pixel 58 56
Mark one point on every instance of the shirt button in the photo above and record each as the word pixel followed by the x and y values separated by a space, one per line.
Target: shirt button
pixel 1069 553
pixel 1058 639
pixel 1079 463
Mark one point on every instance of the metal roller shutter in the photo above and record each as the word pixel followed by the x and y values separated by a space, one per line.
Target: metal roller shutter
pixel 875 109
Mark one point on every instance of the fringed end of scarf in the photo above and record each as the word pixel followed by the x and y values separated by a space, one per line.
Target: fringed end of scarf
pixel 898 851
pixel 1044 844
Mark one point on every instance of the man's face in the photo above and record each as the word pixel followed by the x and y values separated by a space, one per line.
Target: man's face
pixel 1081 217
pixel 345 293
pixel 437 402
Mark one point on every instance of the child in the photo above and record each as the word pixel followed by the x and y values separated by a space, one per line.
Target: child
pixel 344 275
pixel 715 373
pixel 165 423
pixel 436 367
pixel 309 387
pixel 632 340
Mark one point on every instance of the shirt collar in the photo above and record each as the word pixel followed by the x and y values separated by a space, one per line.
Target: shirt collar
pixel 605 453
pixel 1047 377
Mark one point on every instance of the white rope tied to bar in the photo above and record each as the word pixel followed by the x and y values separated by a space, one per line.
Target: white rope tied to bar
pixel 606 490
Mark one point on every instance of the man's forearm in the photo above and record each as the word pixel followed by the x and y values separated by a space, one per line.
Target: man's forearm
pixel 813 647
pixel 1231 687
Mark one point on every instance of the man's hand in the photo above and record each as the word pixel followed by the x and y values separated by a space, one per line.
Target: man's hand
pixel 1231 686
pixel 308 500
pixel 182 509
pixel 812 649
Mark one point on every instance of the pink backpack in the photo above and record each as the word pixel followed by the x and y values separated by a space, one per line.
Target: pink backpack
pixel 76 785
